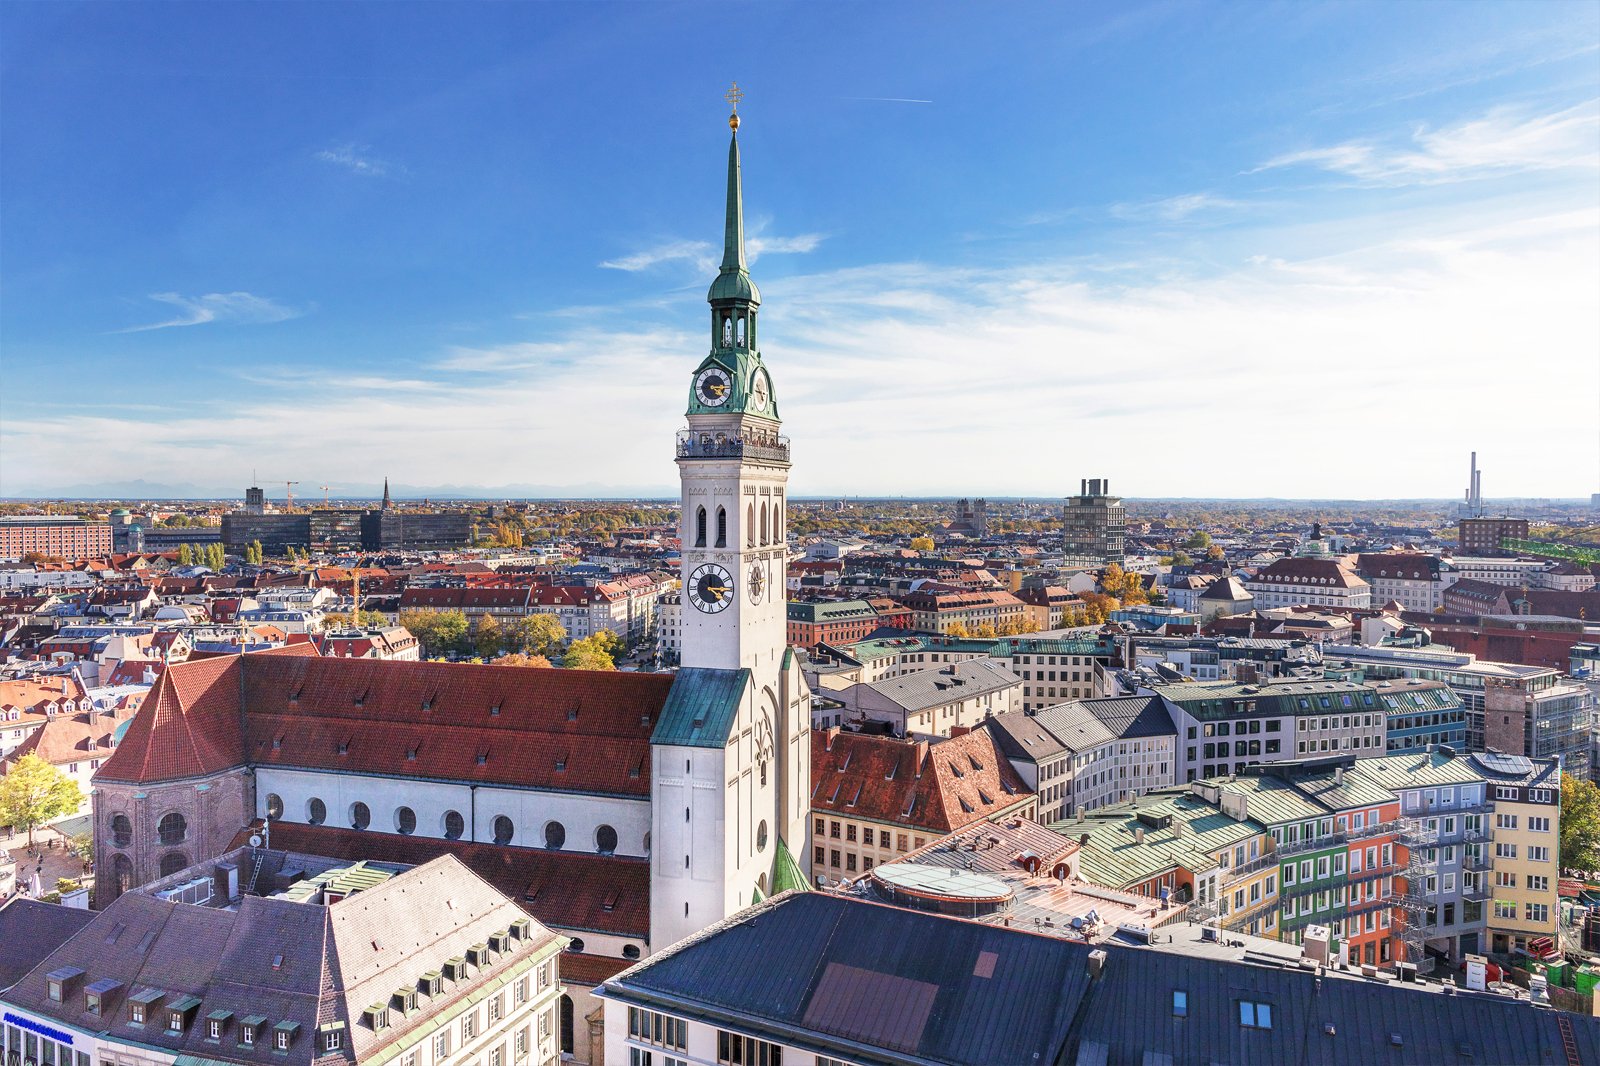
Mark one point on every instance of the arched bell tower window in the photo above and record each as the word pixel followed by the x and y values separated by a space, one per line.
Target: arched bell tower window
pixel 740 332
pixel 722 527
pixel 750 525
pixel 765 539
pixel 727 330
pixel 700 528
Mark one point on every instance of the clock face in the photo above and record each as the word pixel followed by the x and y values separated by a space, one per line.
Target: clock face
pixel 760 391
pixel 758 582
pixel 711 588
pixel 713 386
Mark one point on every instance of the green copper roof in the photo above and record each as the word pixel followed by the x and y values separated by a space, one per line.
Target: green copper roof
pixel 701 708
pixel 733 280
pixel 786 872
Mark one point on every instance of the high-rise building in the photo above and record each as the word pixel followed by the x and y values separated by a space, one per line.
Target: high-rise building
pixel 65 536
pixel 255 500
pixel 1094 523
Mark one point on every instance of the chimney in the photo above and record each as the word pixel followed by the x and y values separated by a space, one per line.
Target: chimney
pixel 922 755
pixel 1138 834
pixel 831 732
pixel 1097 962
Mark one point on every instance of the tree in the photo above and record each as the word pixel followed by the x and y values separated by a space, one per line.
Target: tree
pixel 1181 558
pixel 185 555
pixel 957 629
pixel 439 632
pixel 362 620
pixel 216 555
pixel 35 792
pixel 985 631
pixel 488 639
pixel 1097 608
pixel 922 544
pixel 588 654
pixel 536 634
pixel 1215 553
pixel 1580 824
pixel 1198 541
pixel 518 658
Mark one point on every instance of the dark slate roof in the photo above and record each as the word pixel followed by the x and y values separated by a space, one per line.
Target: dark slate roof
pixel 931 989
pixel 875 984
pixel 701 708
pixel 30 930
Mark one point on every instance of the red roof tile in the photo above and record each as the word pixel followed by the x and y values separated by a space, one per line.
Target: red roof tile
pixel 564 889
pixel 941 787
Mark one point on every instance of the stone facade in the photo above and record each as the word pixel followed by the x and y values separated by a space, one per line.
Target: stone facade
pixel 211 808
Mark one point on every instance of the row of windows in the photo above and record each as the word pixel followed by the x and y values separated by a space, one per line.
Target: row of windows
pixel 172 829
pixel 452 825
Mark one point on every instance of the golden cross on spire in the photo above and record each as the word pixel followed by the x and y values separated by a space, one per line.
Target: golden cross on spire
pixel 733 96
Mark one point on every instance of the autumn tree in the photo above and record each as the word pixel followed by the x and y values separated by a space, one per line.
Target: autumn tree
pixel 518 658
pixel 588 653
pixel 34 792
pixel 1215 554
pixel 985 631
pixel 489 638
pixel 536 634
pixel 922 544
pixel 1580 824
pixel 957 629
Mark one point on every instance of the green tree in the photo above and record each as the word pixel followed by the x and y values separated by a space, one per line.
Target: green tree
pixel 489 638
pixel 185 555
pixel 451 632
pixel 1199 540
pixel 588 654
pixel 1182 558
pixel 362 620
pixel 35 792
pixel 1580 823
pixel 216 555
pixel 536 634
pixel 922 544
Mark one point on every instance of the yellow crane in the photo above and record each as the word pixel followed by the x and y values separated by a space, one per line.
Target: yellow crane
pixel 324 489
pixel 288 494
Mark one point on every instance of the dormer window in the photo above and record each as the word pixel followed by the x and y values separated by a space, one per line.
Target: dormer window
pixel 432 982
pixel 478 955
pixel 58 982
pixel 520 928
pixel 376 1017
pixel 248 1027
pixel 283 1035
pixel 217 1023
pixel 179 1014
pixel 456 969
pixel 333 1034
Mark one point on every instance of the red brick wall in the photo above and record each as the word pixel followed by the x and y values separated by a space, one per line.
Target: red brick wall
pixel 213 808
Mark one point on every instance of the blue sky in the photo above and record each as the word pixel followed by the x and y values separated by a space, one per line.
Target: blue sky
pixel 1305 250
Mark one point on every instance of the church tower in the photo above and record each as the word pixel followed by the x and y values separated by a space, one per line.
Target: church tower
pixel 732 758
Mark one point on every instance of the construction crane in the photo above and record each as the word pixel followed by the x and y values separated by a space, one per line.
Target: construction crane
pixel 324 489
pixel 288 494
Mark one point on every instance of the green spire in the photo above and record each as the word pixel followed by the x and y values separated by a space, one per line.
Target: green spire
pixel 733 279
pixel 733 227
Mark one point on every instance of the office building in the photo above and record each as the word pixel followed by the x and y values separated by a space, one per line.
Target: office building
pixel 1094 525
pixel 53 535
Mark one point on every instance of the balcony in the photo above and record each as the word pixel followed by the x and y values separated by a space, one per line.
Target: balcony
pixel 692 445
pixel 1260 862
pixel 1322 843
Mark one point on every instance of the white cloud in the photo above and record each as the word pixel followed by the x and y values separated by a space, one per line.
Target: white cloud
pixel 1502 141
pixel 696 252
pixel 1173 208
pixel 756 247
pixel 358 159
pixel 217 307
pixel 1367 371
pixel 703 254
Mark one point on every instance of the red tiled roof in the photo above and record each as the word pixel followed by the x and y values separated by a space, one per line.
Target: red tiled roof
pixel 941 787
pixel 567 730
pixel 189 724
pixel 563 889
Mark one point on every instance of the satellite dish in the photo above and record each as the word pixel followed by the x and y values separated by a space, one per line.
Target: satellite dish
pixel 255 840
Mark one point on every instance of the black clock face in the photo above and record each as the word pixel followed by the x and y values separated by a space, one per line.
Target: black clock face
pixel 758 582
pixel 713 386
pixel 710 588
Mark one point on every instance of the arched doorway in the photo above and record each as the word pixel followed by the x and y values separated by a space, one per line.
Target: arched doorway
pixel 121 877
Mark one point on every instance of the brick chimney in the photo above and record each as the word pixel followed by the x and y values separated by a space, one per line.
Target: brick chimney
pixel 921 755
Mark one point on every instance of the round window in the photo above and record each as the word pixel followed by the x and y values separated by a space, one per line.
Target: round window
pixel 454 825
pixel 605 840
pixel 360 816
pixel 630 951
pixel 761 836
pixel 316 811
pixel 575 944
pixel 405 820
pixel 274 806
pixel 503 829
pixel 555 835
